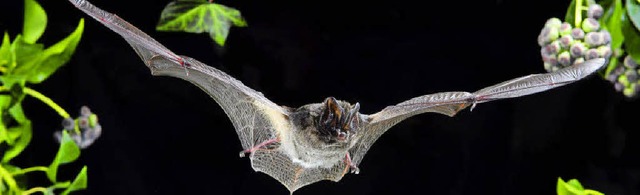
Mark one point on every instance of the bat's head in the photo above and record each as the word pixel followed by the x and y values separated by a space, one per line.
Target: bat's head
pixel 338 120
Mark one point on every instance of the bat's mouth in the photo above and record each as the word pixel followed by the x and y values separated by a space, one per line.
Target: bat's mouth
pixel 336 121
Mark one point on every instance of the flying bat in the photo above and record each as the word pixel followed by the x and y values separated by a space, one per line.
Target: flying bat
pixel 317 141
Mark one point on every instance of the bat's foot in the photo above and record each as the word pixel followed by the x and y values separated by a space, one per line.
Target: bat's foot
pixel 353 167
pixel 355 170
pixel 257 147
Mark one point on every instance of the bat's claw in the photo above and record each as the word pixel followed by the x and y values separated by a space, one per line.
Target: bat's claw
pixel 243 154
pixel 355 170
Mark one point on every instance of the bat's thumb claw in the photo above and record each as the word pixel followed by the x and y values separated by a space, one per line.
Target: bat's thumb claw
pixel 242 154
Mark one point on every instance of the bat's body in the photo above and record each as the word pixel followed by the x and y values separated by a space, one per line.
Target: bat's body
pixel 319 141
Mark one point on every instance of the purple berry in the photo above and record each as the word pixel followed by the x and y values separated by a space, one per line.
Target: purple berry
pixel 577 33
pixel 595 11
pixel 591 54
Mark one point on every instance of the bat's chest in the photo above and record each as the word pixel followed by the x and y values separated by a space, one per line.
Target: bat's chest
pixel 309 153
pixel 311 158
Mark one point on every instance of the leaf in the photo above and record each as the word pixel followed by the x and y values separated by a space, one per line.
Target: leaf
pixel 576 184
pixel 67 153
pixel 631 40
pixel 21 143
pixel 570 15
pixel 26 55
pixel 79 183
pixel 573 187
pixel 18 114
pixel 199 17
pixel 51 58
pixel 35 21
pixel 613 23
pixel 633 10
pixel 5 50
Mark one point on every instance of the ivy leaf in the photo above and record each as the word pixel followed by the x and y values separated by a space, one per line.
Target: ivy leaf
pixel 5 50
pixel 79 183
pixel 52 58
pixel 26 55
pixel 21 143
pixel 631 39
pixel 198 17
pixel 67 153
pixel 35 21
pixel 633 10
pixel 613 23
pixel 571 188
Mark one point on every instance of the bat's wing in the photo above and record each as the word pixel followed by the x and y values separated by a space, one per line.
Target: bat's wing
pixel 449 103
pixel 255 118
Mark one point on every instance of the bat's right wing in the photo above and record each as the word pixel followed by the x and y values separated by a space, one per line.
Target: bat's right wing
pixel 449 103
pixel 255 118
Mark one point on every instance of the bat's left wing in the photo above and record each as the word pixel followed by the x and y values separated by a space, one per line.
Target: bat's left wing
pixel 449 103
pixel 255 118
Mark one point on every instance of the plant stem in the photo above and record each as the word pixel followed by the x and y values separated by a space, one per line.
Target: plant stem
pixel 30 169
pixel 578 13
pixel 34 190
pixel 7 178
pixel 48 101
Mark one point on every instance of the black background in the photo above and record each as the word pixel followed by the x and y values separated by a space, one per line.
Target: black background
pixel 162 135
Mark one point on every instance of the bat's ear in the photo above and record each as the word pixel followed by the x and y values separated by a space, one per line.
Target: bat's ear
pixel 355 109
pixel 332 106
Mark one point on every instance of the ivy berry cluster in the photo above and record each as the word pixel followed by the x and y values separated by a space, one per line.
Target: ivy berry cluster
pixel 563 45
pixel 625 77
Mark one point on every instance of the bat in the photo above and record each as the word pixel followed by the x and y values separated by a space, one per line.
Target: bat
pixel 317 141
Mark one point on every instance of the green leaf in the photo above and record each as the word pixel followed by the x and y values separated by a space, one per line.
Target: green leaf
pixel 18 114
pixel 79 183
pixel 51 58
pixel 570 15
pixel 613 23
pixel 576 184
pixel 21 143
pixel 631 39
pixel 67 153
pixel 573 187
pixel 5 50
pixel 26 55
pixel 633 10
pixel 199 17
pixel 35 21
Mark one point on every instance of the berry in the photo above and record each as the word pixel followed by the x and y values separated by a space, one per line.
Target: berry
pixel 629 62
pixel 578 60
pixel 604 51
pixel 565 29
pixel 595 11
pixel 578 49
pixel 564 58
pixel 554 47
pixel 577 33
pixel 566 41
pixel 547 35
pixel 590 25
pixel 591 54
pixel 553 23
pixel 593 39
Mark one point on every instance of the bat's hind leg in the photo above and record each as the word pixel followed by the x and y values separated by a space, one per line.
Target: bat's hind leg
pixel 257 147
pixel 350 165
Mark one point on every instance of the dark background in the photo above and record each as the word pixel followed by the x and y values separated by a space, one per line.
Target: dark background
pixel 163 135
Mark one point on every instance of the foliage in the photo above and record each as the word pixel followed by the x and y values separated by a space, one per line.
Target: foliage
pixel 573 187
pixel 198 16
pixel 24 61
